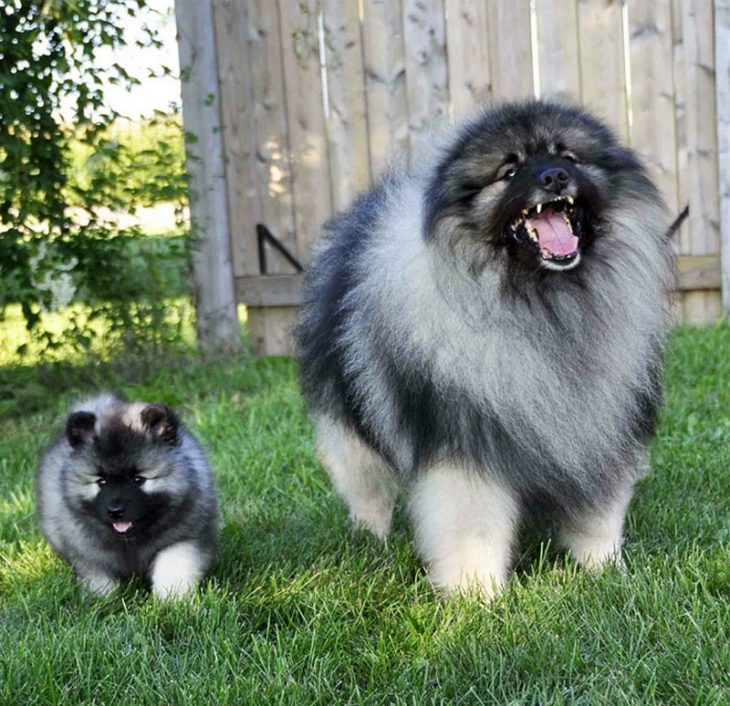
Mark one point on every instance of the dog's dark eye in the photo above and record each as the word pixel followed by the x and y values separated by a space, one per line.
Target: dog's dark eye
pixel 139 480
pixel 509 173
pixel 101 481
pixel 570 156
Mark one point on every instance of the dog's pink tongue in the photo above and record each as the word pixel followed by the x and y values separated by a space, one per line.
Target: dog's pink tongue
pixel 122 526
pixel 554 234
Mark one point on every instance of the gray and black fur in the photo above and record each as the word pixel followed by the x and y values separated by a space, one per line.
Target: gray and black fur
pixel 126 490
pixel 444 351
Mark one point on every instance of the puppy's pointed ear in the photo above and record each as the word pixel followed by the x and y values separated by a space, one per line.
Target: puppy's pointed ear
pixel 80 428
pixel 161 422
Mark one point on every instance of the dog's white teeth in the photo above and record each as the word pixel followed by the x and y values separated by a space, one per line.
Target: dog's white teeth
pixel 570 199
pixel 538 208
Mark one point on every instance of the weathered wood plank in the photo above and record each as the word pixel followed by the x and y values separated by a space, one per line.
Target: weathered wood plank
pixel 701 127
pixel 467 47
pixel 306 121
pixel 722 72
pixel 695 273
pixel 691 304
pixel 385 82
pixel 701 308
pixel 558 55
pixel 681 241
pixel 347 128
pixel 510 49
pixel 216 317
pixel 603 78
pixel 652 95
pixel 235 79
pixel 272 163
pixel 704 206
pixel 269 330
pixel 698 272
pixel 278 290
pixel 426 71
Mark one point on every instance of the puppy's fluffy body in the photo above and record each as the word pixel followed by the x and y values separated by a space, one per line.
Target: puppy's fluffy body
pixel 127 490
pixel 486 335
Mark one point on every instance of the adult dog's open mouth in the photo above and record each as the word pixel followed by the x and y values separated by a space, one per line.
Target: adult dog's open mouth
pixel 555 228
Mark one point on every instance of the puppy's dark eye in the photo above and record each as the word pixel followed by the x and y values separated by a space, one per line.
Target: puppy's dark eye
pixel 139 480
pixel 101 481
pixel 509 174
pixel 570 156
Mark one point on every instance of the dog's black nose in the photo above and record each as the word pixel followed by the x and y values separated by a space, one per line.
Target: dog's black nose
pixel 554 179
pixel 115 511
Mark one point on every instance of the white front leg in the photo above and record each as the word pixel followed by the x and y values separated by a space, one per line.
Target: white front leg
pixel 465 526
pixel 177 570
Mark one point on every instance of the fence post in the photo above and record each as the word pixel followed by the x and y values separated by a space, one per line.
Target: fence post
pixel 217 323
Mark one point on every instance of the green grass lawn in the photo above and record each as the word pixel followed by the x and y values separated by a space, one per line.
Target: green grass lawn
pixel 302 609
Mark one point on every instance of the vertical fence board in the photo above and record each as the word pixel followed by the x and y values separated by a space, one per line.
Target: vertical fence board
pixel 235 78
pixel 603 80
pixel 468 56
pixel 273 170
pixel 722 71
pixel 653 129
pixel 701 148
pixel 557 41
pixel 682 242
pixel 347 121
pixel 216 317
pixel 510 49
pixel 701 126
pixel 305 119
pixel 385 82
pixel 426 72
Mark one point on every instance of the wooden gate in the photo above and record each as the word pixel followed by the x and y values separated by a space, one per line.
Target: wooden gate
pixel 313 97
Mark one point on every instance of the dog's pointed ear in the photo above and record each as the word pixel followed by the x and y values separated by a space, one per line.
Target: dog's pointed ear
pixel 80 428
pixel 162 423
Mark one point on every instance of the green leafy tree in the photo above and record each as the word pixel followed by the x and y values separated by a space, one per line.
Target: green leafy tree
pixel 55 246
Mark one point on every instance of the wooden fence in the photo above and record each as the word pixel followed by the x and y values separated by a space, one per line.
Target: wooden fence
pixel 300 104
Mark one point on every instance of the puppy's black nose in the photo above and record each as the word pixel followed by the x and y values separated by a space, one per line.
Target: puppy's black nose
pixel 554 179
pixel 115 511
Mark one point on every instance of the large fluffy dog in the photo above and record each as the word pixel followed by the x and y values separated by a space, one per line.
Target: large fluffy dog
pixel 486 334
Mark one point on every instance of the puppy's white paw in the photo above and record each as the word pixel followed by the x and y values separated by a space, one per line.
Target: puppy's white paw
pixel 177 570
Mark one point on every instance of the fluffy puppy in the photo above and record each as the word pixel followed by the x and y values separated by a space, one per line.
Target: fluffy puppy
pixel 126 490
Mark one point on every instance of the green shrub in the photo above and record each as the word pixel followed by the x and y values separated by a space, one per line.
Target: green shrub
pixel 58 243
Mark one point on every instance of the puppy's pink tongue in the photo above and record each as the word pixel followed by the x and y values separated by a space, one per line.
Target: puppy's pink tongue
pixel 122 527
pixel 553 233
